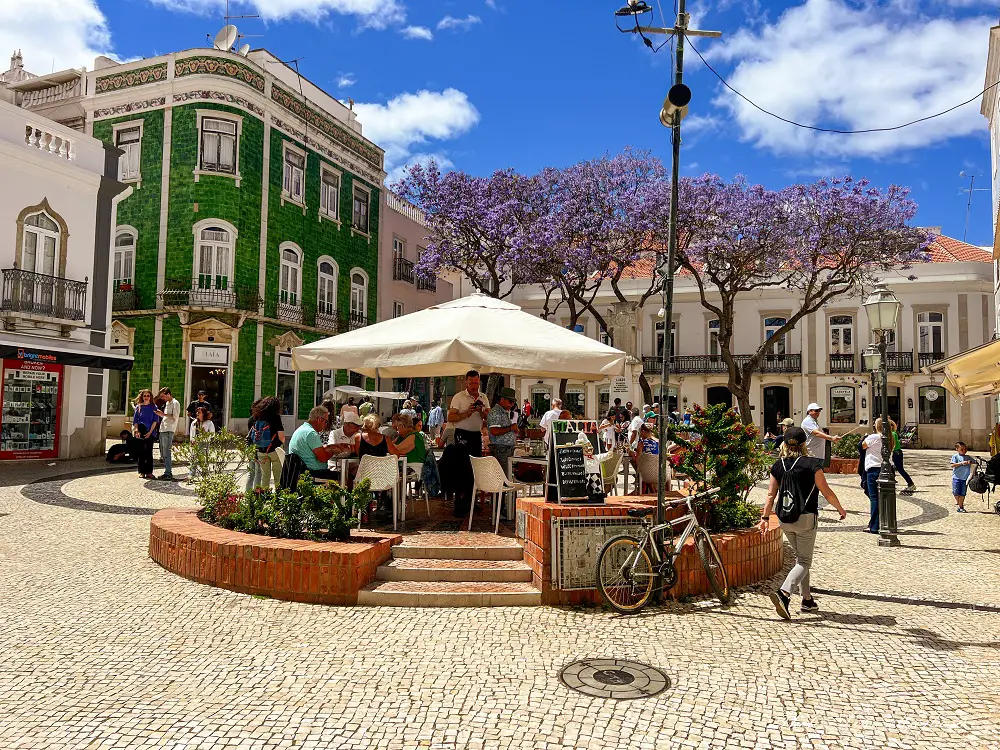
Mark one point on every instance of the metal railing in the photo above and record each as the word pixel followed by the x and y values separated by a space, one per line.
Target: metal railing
pixel 925 359
pixel 191 293
pixel 289 312
pixel 38 294
pixel 841 363
pixel 713 363
pixel 124 300
pixel 402 269
pixel 897 361
pixel 353 321
pixel 327 321
pixel 427 284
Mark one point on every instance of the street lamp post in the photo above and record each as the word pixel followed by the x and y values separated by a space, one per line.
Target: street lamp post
pixel 882 309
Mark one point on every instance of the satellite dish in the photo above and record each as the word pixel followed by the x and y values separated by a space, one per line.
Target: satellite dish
pixel 245 50
pixel 225 38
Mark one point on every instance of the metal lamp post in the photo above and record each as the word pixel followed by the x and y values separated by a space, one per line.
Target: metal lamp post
pixel 882 309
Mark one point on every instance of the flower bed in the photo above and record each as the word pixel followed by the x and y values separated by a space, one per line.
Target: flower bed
pixel 290 569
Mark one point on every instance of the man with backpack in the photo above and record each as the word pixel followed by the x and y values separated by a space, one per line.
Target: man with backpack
pixel 267 435
pixel 797 480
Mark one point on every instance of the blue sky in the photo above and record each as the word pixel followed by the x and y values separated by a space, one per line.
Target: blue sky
pixel 489 84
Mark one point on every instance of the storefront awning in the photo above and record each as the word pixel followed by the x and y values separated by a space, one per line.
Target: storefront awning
pixel 65 353
pixel 972 374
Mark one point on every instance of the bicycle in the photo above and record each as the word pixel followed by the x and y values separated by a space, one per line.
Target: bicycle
pixel 626 572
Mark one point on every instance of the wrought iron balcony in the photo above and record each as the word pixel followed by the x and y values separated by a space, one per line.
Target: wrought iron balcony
pixel 925 359
pixel 192 293
pixel 353 321
pixel 124 299
pixel 402 269
pixel 897 361
pixel 327 322
pixel 841 363
pixel 712 363
pixel 289 313
pixel 427 284
pixel 46 296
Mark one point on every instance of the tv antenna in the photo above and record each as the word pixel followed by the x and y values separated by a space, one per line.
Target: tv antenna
pixel 968 206
pixel 229 35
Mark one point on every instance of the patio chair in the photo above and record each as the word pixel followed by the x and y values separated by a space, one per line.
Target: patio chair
pixel 610 463
pixel 488 477
pixel 382 472
pixel 648 467
pixel 415 487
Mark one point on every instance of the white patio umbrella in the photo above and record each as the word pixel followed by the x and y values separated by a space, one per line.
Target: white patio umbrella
pixel 475 332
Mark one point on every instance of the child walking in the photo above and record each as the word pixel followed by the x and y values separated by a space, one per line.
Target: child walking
pixel 961 468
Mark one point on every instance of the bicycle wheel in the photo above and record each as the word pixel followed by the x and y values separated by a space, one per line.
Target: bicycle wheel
pixel 714 569
pixel 624 574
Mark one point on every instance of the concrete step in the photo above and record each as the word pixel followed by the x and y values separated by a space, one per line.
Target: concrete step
pixel 430 569
pixel 458 546
pixel 448 594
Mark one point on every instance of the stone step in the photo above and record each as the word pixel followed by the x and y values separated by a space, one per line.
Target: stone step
pixel 430 569
pixel 448 594
pixel 458 546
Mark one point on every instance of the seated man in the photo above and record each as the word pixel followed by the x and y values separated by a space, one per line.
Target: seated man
pixel 126 451
pixel 342 438
pixel 307 444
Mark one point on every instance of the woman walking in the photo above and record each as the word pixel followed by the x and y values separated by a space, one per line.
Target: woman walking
pixel 801 476
pixel 897 461
pixel 144 424
pixel 267 434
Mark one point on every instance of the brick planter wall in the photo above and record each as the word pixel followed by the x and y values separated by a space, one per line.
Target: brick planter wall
pixel 747 555
pixel 842 466
pixel 291 569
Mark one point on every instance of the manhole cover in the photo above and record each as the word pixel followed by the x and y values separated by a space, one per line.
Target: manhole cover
pixel 617 679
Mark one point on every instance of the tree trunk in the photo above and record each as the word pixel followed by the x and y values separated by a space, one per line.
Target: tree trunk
pixel 562 391
pixel 743 402
pixel 647 391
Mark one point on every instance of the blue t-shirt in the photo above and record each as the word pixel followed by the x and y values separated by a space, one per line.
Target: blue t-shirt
pixel 960 472
pixel 145 417
pixel 304 439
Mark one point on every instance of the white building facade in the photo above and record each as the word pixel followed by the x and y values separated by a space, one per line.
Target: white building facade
pixel 949 308
pixel 58 193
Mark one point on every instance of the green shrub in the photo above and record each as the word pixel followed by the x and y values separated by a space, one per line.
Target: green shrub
pixel 211 454
pixel 847 446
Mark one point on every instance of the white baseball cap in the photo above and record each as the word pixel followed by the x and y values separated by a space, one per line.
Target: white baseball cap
pixel 814 407
pixel 351 418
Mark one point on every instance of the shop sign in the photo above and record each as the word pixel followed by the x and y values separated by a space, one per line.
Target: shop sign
pixel 619 388
pixel 209 355
pixel 844 392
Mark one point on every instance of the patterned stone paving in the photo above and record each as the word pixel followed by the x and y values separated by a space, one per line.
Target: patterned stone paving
pixel 104 649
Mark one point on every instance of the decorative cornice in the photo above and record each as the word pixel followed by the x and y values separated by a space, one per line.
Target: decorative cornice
pixel 131 78
pixel 288 340
pixel 215 66
pixel 124 109
pixel 218 96
pixel 365 149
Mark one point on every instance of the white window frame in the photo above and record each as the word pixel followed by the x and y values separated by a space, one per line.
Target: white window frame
pixel 121 253
pixel 320 278
pixel 713 327
pixel 123 174
pixel 288 175
pixel 397 309
pixel 286 357
pixel 781 345
pixel 324 200
pixel 841 329
pixel 363 311
pixel 398 247
pixel 324 382
pixel 930 325
pixel 230 245
pixel 290 293
pixel 604 338
pixel 41 234
pixel 355 188
pixel 658 330
pixel 214 114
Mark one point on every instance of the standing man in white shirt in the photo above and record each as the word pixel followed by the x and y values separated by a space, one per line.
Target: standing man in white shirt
pixel 169 417
pixel 467 412
pixel 435 420
pixel 546 421
pixel 814 435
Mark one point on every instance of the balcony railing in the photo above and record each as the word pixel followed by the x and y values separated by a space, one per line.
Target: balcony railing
pixel 353 321
pixel 925 359
pixel 402 269
pixel 427 284
pixel 124 299
pixel 192 293
pixel 289 313
pixel 897 361
pixel 327 322
pixel 841 363
pixel 712 363
pixel 47 296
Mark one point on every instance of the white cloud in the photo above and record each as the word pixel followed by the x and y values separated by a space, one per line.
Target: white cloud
pixel 700 124
pixel 345 80
pixel 492 4
pixel 828 64
pixel 409 120
pixel 53 34
pixel 417 32
pixel 463 24
pixel 376 14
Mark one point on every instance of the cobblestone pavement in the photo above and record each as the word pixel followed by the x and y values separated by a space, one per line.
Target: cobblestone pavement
pixel 101 648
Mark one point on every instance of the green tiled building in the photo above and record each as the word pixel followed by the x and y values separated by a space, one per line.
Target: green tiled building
pixel 252 226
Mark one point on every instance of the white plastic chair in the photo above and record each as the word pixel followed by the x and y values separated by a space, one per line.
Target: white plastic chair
pixel 413 482
pixel 610 463
pixel 487 476
pixel 382 472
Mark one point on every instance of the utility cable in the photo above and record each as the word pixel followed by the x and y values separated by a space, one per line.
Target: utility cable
pixel 834 130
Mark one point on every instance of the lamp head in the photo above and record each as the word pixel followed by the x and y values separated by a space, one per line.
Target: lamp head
pixel 677 101
pixel 634 8
pixel 882 309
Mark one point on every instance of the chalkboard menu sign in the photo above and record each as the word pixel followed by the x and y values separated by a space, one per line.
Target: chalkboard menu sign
pixel 571 474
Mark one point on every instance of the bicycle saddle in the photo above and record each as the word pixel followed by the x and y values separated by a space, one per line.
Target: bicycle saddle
pixel 640 512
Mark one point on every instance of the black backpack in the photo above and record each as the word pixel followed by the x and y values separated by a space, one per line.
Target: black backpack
pixel 791 502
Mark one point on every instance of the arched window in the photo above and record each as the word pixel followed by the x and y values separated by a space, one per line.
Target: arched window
pixel 214 255
pixel 124 262
pixel 291 265
pixel 326 287
pixel 359 298
pixel 40 247
pixel 930 332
